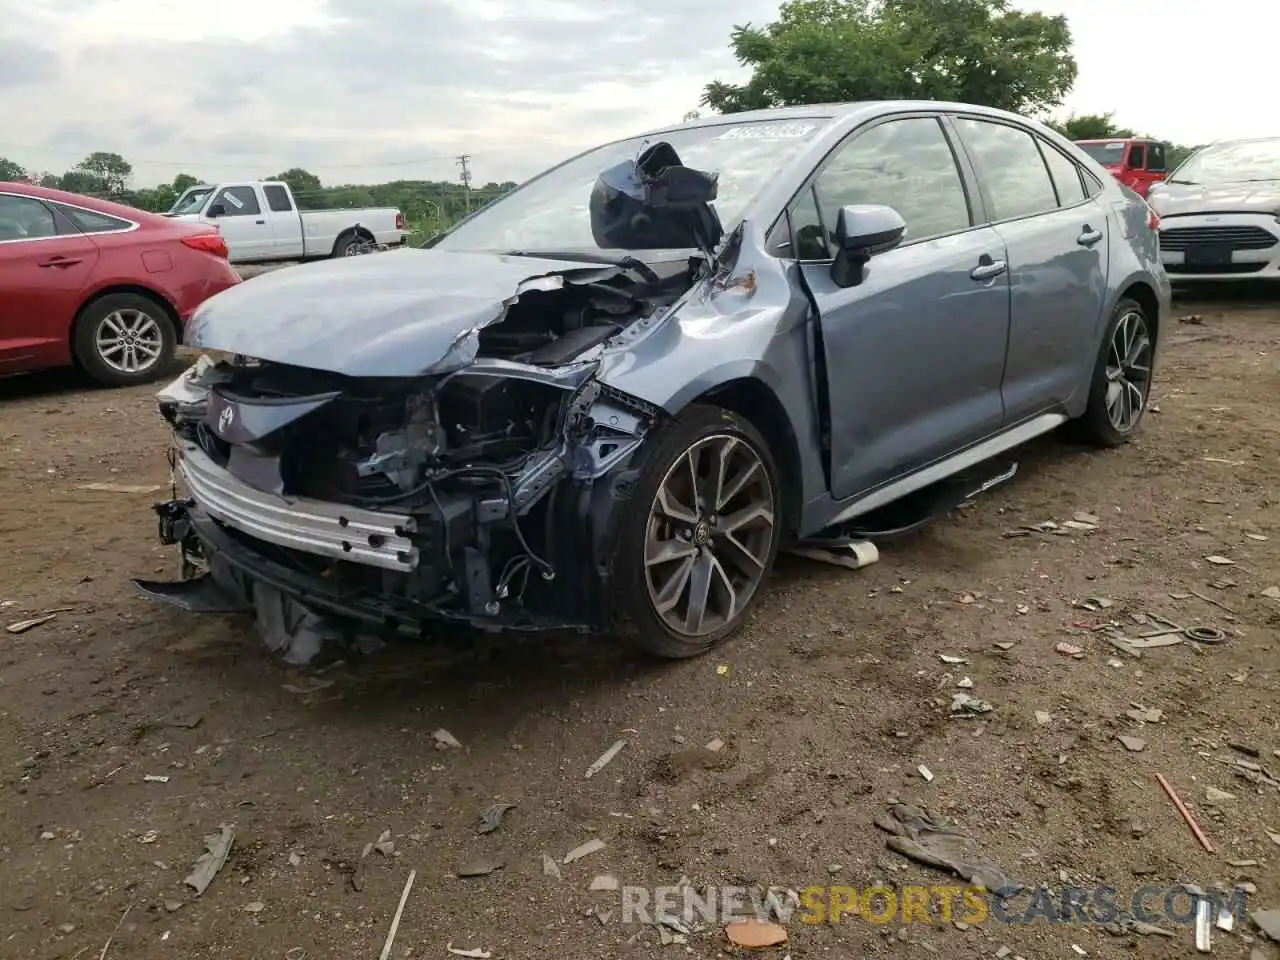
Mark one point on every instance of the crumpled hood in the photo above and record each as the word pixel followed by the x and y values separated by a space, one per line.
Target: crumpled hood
pixel 1173 199
pixel 397 314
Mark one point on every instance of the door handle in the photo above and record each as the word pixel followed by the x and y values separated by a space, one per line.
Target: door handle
pixel 988 269
pixel 259 222
pixel 1089 236
pixel 60 262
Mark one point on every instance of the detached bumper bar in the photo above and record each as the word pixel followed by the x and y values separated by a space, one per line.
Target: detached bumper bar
pixel 332 530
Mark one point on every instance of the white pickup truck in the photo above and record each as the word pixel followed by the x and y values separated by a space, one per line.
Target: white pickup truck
pixel 259 221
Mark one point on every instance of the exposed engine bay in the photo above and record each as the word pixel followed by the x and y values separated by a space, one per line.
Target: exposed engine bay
pixel 479 489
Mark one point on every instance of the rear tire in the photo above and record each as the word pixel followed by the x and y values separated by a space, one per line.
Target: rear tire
pixel 701 536
pixel 123 339
pixel 1121 385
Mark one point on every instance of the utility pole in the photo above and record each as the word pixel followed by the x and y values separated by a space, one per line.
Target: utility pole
pixel 465 177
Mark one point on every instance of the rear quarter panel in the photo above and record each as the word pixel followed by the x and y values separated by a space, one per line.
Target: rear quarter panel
pixel 321 228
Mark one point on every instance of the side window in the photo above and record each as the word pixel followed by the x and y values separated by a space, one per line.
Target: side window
pixel 1137 157
pixel 89 222
pixel 277 198
pixel 905 164
pixel 1011 167
pixel 238 201
pixel 1065 174
pixel 1092 185
pixel 1156 162
pixel 25 218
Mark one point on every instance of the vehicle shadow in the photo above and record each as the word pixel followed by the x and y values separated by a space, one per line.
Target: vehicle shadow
pixel 66 380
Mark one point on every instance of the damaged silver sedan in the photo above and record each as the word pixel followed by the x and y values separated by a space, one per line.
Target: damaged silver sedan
pixel 608 399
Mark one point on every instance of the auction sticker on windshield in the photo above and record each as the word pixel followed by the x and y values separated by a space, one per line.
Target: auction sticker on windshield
pixel 769 131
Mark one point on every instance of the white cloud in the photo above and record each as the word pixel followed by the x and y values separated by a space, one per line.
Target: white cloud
pixel 362 91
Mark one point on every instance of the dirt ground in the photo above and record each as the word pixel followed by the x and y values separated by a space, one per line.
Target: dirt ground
pixel 826 704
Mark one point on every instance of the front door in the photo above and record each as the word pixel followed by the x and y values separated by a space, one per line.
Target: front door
pixel 44 266
pixel 242 224
pixel 1056 236
pixel 915 353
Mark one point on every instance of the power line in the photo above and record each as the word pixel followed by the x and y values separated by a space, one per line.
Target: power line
pixel 465 177
pixel 151 161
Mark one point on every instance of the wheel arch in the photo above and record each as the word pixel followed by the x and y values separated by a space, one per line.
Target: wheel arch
pixel 137 289
pixel 754 401
pixel 351 233
pixel 1145 296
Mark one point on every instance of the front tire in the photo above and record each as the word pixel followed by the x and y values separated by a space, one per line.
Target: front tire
pixel 702 536
pixel 1121 384
pixel 123 339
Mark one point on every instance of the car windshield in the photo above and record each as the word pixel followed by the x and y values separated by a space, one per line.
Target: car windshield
pixel 1233 162
pixel 551 212
pixel 1106 152
pixel 191 201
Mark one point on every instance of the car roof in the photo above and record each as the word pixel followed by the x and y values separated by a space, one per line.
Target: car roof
pixel 833 112
pixel 79 200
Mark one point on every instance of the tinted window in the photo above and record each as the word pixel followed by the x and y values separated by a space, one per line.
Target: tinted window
pixel 1155 157
pixel 22 218
pixel 238 201
pixel 806 229
pixel 1106 152
pixel 904 164
pixel 1012 169
pixel 1138 157
pixel 1066 176
pixel 277 198
pixel 89 222
pixel 1092 185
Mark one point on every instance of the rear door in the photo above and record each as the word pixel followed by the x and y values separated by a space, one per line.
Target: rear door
pixel 915 353
pixel 242 223
pixel 286 224
pixel 45 265
pixel 1057 242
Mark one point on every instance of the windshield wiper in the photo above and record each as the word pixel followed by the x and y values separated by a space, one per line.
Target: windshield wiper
pixel 1185 183
pixel 625 261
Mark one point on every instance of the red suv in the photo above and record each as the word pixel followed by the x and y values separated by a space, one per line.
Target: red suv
pixel 99 285
pixel 1134 161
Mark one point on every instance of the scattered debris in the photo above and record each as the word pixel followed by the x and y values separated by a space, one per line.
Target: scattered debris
pixel 1217 603
pixel 491 816
pixel 395 921
pixel 755 934
pixel 217 847
pixel 384 845
pixel 926 773
pixel 1133 744
pixel 549 867
pixel 479 868
pixel 154 778
pixel 257 906
pixel 1094 604
pixel 1268 921
pixel 1204 918
pixel 1219 561
pixel 935 841
pixel 722 670
pixel 121 487
pixel 967 598
pixel 585 849
pixel 604 882
pixel 1271 593
pixel 22 626
pixel 1274 835
pixel 110 937
pixel 1043 717
pixel 962 703
pixel 947 658
pixel 966 683
pixel 294 859
pixel 1141 714
pixel 1079 950
pixel 1192 318
pixel 1214 795
pixel 715 746
pixel 1069 650
pixel 1186 815
pixel 605 758
pixel 445 740
pixel 477 953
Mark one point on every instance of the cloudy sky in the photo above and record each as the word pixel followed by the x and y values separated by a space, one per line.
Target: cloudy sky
pixel 375 90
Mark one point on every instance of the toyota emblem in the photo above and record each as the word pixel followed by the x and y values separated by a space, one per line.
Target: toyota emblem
pixel 226 418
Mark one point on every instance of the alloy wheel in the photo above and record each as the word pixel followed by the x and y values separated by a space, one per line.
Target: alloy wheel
pixel 129 341
pixel 709 535
pixel 1128 372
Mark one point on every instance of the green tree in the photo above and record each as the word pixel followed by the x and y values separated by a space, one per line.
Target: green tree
pixel 973 51
pixel 10 172
pixel 1091 126
pixel 111 170
pixel 182 181
pixel 300 181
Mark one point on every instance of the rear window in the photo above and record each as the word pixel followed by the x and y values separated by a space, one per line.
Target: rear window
pixel 87 221
pixel 1106 152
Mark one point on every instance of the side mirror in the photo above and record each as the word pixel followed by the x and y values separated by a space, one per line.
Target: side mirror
pixel 862 231
pixel 217 210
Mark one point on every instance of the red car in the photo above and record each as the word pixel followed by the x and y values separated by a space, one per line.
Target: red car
pixel 1135 161
pixel 99 285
